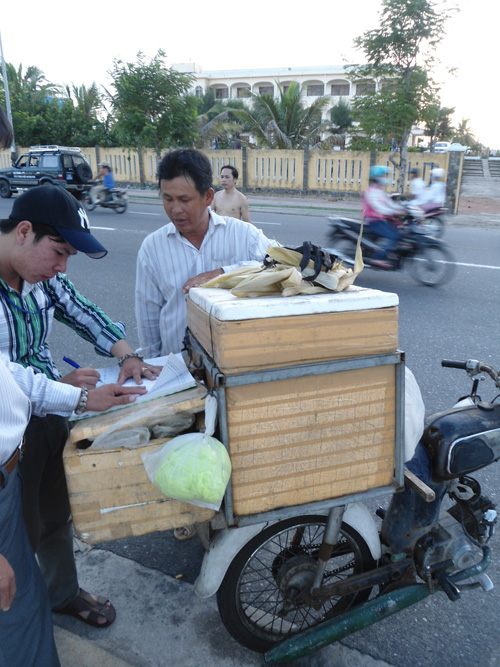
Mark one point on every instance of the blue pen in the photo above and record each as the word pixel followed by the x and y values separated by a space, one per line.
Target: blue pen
pixel 71 362
pixel 75 365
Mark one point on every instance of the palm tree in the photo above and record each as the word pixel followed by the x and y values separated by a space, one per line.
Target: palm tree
pixel 285 122
pixel 464 134
pixel 219 123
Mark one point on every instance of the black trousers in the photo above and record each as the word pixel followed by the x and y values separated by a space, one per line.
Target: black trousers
pixel 46 508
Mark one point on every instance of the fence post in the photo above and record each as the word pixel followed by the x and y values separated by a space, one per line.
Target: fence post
pixel 305 175
pixel 244 167
pixel 454 179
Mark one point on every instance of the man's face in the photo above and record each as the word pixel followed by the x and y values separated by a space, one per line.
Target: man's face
pixel 227 179
pixel 185 206
pixel 36 261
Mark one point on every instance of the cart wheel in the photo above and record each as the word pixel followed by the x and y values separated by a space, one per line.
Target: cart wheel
pixel 255 597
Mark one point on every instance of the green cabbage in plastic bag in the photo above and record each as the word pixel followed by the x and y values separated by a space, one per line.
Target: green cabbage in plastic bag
pixel 197 469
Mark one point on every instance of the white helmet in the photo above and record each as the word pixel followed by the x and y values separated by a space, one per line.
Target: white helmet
pixel 437 172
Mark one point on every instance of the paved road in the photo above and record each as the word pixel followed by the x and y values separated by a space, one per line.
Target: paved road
pixel 458 320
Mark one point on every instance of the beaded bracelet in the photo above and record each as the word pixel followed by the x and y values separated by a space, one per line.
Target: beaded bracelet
pixel 82 404
pixel 130 355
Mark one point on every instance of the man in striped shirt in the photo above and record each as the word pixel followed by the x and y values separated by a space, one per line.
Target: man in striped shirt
pixel 194 247
pixel 47 226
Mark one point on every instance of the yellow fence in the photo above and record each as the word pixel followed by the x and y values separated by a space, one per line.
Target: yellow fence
pixel 335 172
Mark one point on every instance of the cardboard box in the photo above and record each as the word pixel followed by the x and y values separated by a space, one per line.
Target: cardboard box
pixel 271 332
pixel 110 493
pixel 311 437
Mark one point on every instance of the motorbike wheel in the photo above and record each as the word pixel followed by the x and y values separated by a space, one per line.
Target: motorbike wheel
pixel 272 566
pixel 87 202
pixel 121 205
pixel 435 226
pixel 344 247
pixel 432 265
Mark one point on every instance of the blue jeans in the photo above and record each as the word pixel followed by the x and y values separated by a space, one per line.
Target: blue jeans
pixel 388 231
pixel 26 632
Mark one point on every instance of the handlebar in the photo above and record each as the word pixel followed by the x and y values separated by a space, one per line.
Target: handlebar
pixel 473 367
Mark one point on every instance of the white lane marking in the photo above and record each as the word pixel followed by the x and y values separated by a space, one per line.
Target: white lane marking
pixel 144 213
pixel 106 229
pixel 269 223
pixel 474 266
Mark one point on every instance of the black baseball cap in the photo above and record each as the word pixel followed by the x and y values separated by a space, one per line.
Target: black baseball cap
pixel 52 205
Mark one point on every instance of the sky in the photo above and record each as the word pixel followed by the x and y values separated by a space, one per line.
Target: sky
pixel 74 45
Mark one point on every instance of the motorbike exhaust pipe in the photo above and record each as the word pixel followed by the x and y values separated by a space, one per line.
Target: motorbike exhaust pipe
pixel 346 624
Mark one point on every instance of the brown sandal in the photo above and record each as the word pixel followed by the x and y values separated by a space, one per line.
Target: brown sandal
pixel 96 609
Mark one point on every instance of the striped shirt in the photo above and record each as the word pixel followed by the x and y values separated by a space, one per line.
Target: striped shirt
pixel 167 260
pixel 19 386
pixel 26 320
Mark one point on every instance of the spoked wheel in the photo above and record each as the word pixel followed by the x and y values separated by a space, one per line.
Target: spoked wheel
pixel 256 597
pixel 432 265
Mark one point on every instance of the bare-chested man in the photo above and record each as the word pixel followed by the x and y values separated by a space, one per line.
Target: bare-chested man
pixel 229 201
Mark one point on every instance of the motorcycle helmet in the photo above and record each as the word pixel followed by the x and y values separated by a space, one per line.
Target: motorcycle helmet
pixel 378 173
pixel 414 171
pixel 437 172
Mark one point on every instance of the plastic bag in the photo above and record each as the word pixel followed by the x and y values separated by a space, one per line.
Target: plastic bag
pixel 414 414
pixel 194 467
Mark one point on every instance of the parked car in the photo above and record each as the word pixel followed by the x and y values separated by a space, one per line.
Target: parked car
pixel 441 147
pixel 47 164
pixel 458 147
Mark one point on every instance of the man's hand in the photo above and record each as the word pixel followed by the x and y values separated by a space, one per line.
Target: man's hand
pixel 200 279
pixel 81 377
pixel 7 584
pixel 136 368
pixel 109 395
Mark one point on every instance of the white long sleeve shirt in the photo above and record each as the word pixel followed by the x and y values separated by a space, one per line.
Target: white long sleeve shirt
pixel 167 260
pixel 22 390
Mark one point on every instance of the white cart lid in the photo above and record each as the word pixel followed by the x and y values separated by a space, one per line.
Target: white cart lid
pixel 224 306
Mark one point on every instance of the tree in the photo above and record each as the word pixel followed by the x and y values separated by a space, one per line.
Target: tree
pixel 463 134
pixel 150 104
pixel 285 122
pixel 219 123
pixel 438 125
pixel 399 57
pixel 342 119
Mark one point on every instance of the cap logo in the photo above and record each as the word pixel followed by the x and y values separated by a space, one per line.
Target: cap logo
pixel 84 220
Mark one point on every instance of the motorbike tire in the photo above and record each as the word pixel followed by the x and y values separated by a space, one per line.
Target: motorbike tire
pixel 344 247
pixel 87 202
pixel 5 191
pixel 120 206
pixel 251 594
pixel 435 226
pixel 432 265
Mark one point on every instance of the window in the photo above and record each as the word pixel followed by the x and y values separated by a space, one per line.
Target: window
pixel 340 89
pixel 221 93
pixel 266 90
pixel 34 160
pixel 198 91
pixel 315 90
pixel 365 88
pixel 49 161
pixel 243 92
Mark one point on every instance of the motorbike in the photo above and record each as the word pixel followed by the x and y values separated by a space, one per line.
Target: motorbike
pixel 289 587
pixel 433 220
pixel 115 198
pixel 429 259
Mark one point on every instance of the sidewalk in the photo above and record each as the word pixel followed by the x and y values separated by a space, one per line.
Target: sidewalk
pixel 162 623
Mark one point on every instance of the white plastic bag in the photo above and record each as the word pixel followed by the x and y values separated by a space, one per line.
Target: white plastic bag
pixel 194 467
pixel 414 414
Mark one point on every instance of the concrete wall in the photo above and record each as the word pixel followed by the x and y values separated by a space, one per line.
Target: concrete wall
pixel 340 173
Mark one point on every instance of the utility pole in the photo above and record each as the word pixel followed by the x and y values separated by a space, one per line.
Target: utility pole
pixel 7 102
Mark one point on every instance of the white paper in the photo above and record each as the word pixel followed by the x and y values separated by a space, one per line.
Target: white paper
pixel 174 377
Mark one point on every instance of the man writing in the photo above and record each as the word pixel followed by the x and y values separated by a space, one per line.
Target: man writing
pixel 229 201
pixel 195 247
pixel 46 227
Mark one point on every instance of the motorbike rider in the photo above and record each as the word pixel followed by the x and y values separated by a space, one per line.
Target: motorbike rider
pixel 378 210
pixel 430 197
pixel 105 182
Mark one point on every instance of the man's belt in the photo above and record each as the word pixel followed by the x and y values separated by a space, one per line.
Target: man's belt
pixel 12 462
